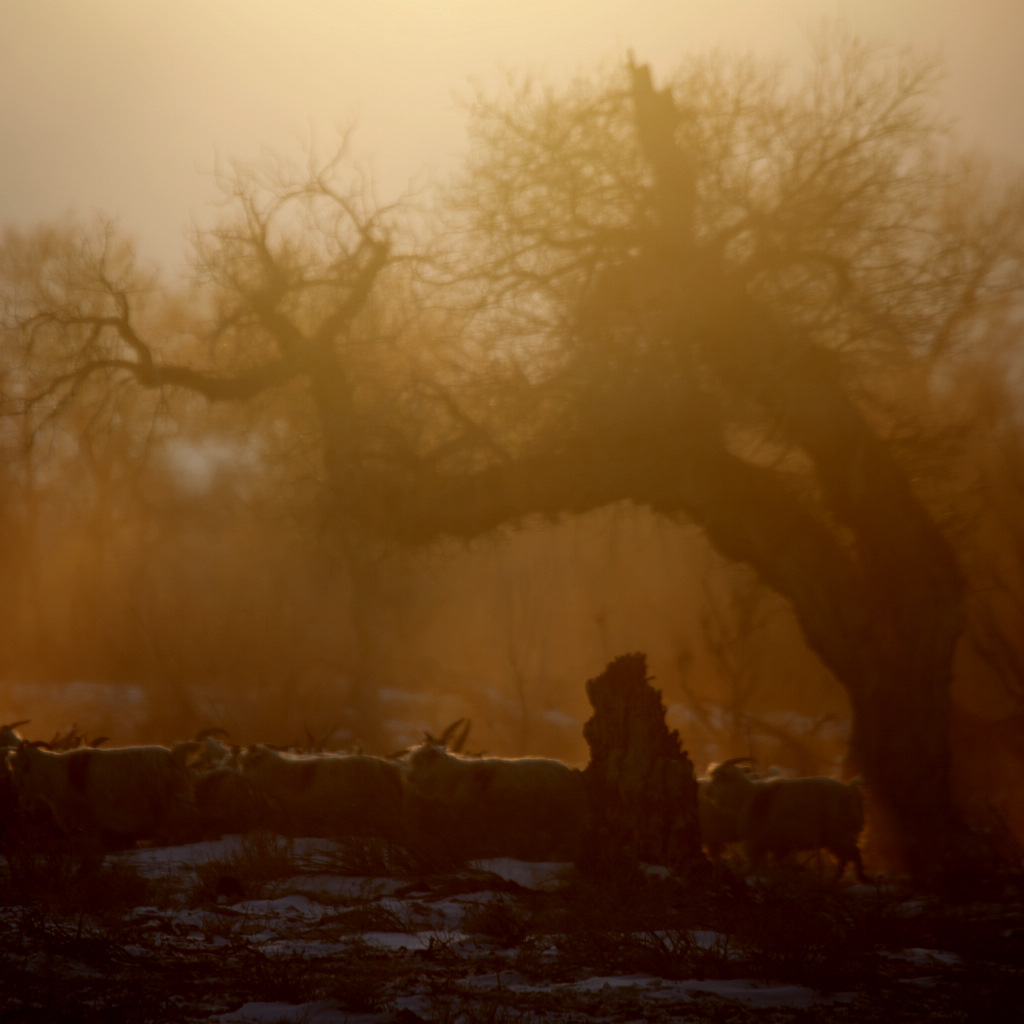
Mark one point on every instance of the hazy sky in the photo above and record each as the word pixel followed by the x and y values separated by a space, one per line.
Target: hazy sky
pixel 123 106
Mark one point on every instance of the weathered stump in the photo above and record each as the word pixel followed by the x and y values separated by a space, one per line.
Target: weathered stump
pixel 640 787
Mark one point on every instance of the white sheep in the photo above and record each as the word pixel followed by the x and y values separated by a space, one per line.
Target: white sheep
pixel 529 807
pixel 326 794
pixel 225 802
pixel 120 794
pixel 781 816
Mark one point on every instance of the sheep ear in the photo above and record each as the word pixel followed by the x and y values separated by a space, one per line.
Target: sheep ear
pixel 450 731
pixel 460 740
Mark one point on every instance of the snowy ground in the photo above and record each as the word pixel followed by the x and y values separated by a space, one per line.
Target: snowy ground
pixel 262 929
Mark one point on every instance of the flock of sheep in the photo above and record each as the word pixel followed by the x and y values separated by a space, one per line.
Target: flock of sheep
pixel 460 806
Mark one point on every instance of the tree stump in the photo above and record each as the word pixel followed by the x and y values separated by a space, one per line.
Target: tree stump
pixel 640 786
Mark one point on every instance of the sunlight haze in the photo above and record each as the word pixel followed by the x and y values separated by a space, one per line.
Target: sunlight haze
pixel 125 108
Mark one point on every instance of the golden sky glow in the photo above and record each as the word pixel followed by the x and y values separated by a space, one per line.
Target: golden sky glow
pixel 120 106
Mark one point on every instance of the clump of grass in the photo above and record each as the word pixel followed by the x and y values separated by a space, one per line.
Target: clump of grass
pixel 260 859
pixel 606 951
pixel 66 881
pixel 501 919
pixel 596 924
pixel 450 1005
pixel 280 979
pixel 977 931
pixel 680 953
pixel 370 857
pixel 632 903
pixel 823 939
pixel 537 960
pixel 364 982
pixel 370 917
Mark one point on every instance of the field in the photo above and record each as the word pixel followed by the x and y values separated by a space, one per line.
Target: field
pixel 259 928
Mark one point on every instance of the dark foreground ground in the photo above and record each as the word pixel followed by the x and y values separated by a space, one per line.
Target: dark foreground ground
pixel 263 929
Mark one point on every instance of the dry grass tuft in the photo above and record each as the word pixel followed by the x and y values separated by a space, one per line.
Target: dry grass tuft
pixel 260 859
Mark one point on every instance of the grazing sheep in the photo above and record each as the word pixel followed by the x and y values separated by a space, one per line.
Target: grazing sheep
pixel 225 803
pixel 784 816
pixel 529 807
pixel 118 795
pixel 326 794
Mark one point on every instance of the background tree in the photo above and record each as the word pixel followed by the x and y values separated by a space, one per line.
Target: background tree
pixel 710 289
pixel 770 703
pixel 297 311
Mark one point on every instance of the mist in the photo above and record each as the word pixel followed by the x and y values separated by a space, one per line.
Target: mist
pixel 146 619
pixel 112 107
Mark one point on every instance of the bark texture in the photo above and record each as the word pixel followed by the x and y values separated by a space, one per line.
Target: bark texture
pixel 640 786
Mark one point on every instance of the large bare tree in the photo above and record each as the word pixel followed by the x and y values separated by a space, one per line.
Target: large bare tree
pixel 707 292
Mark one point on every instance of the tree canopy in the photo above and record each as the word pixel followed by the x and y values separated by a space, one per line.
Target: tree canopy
pixel 712 288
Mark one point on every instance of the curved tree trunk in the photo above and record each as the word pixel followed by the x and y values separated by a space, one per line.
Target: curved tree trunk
pixel 883 610
pixel 880 606
pixel 830 521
